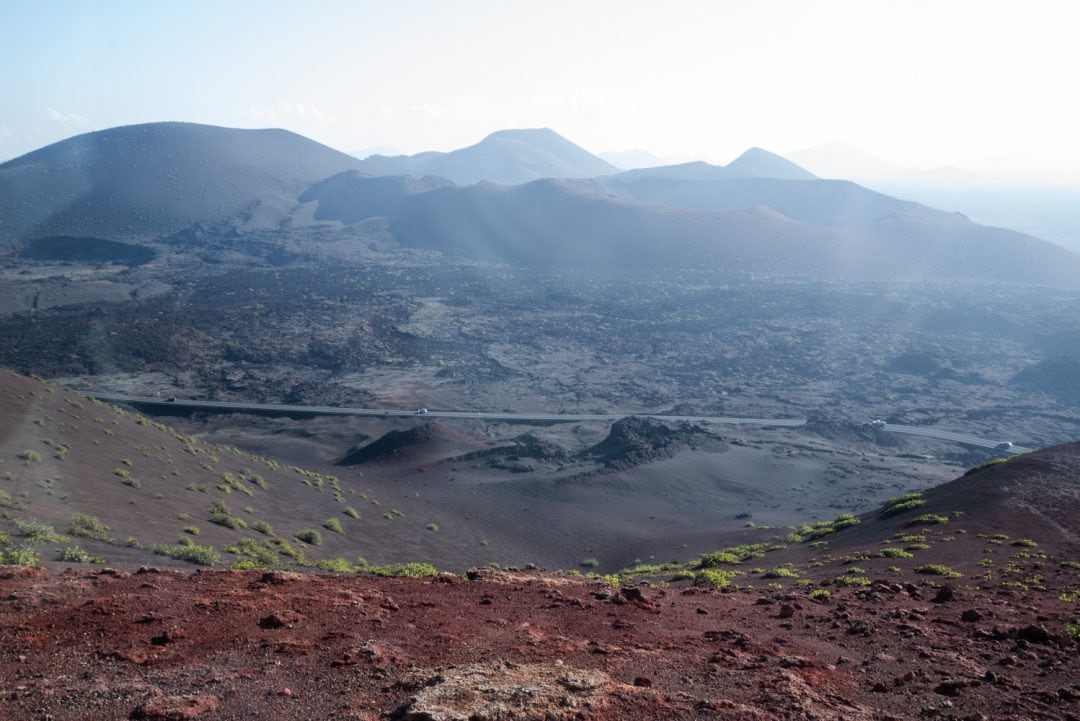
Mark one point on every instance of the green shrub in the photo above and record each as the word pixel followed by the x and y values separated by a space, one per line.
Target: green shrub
pixel 249 550
pixel 133 542
pixel 781 572
pixel 202 555
pixel 22 556
pixel 333 524
pixel 433 527
pixel 30 456
pixel 847 580
pixel 336 565
pixel 74 554
pixel 407 570
pixel 590 563
pixel 38 532
pixel 352 513
pixel 895 553
pixel 1024 542
pixel 219 514
pixel 819 594
pixel 930 519
pixel 937 569
pixel 900 504
pixel 192 530
pixel 263 527
pixel 88 527
pixel 309 536
pixel 713 578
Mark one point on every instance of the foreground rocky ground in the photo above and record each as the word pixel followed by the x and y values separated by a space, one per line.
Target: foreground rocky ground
pixel 158 644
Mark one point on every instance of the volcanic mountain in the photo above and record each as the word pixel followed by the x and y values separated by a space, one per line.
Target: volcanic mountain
pixel 157 178
pixel 505 156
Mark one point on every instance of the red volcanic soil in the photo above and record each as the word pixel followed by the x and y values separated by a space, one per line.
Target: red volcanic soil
pixel 523 645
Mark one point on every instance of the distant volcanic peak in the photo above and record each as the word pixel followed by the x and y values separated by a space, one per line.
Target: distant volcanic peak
pixel 760 163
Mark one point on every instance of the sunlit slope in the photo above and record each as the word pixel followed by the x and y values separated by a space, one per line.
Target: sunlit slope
pixel 506 156
pixel 578 223
pixel 157 178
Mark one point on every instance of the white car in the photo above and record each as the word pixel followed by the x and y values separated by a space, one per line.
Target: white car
pixel 421 411
pixel 1003 446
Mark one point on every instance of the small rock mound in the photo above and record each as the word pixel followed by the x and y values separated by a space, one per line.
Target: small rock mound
pixel 633 441
pixel 526 446
pixel 508 692
pixel 424 442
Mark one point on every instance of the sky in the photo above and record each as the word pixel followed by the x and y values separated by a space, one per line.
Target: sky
pixel 984 85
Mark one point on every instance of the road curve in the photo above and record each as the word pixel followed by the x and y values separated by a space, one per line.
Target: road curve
pixel 552 417
pixel 387 413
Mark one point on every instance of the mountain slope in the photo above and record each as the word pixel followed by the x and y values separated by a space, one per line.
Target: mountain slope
pixel 158 178
pixel 579 223
pixel 506 156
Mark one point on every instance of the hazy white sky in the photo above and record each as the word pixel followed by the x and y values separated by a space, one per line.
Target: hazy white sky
pixel 986 85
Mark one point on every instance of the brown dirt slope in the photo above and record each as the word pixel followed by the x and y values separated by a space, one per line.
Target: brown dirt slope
pixel 240 645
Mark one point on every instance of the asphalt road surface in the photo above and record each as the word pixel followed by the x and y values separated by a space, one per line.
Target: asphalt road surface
pixel 556 417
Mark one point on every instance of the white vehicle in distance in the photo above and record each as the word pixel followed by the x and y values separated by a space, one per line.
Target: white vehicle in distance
pixel 421 411
pixel 878 423
pixel 1004 446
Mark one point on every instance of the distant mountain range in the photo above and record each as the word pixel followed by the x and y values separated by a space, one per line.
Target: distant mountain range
pixel 555 203
pixel 507 156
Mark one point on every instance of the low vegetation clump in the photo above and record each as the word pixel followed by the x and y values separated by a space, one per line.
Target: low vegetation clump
pixel 851 580
pixel 590 563
pixel 88 527
pixel 985 464
pixel 251 554
pixel 333 524
pixel 781 572
pixel 30 456
pixel 202 555
pixel 895 553
pixel 813 531
pixel 1024 542
pixel 38 532
pixel 401 570
pixel 899 504
pixel 133 542
pixel 352 513
pixel 19 557
pixel 309 536
pixel 219 514
pixel 732 555
pixel 336 565
pixel 929 519
pixel 819 594
pixel 937 569
pixel 74 554
pixel 263 527
pixel 713 578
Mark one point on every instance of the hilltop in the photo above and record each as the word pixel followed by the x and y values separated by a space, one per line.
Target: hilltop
pixel 505 156
pixel 157 178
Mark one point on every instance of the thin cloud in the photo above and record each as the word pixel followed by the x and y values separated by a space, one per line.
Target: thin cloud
pixel 73 119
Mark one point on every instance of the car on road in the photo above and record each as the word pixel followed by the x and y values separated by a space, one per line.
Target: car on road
pixel 421 411
pixel 1004 446
pixel 171 399
pixel 878 423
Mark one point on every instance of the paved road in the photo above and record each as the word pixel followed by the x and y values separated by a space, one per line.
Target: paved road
pixel 558 417
pixel 950 436
pixel 382 412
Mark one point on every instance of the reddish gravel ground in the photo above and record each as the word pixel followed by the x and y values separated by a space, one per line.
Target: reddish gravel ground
pixel 519 645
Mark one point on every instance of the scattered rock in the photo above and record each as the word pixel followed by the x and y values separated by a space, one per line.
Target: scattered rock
pixel 281 619
pixel 507 692
pixel 177 708
pixel 970 616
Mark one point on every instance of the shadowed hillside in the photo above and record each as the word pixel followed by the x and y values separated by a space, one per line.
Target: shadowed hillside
pixel 158 178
